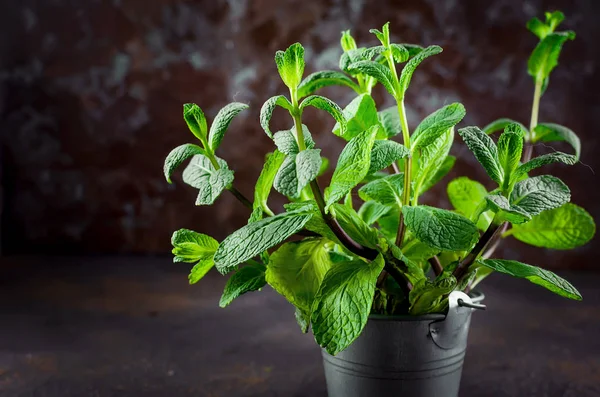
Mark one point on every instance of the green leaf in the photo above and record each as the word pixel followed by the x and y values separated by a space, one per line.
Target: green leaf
pixel 297 171
pixel 411 66
pixel 210 182
pixel 327 105
pixel 347 41
pixel 440 228
pixel 190 246
pixel 555 157
pixel 316 223
pixel 549 132
pixel 384 36
pixel 430 162
pixel 563 228
pixel 200 269
pixel 510 148
pixel 553 19
pixel 371 211
pixel 354 226
pixel 426 294
pixel 545 55
pixel 221 123
pixel 376 70
pixel 286 140
pixel 254 238
pixel 390 120
pixel 485 151
pixel 249 278
pixel 441 172
pixel 387 190
pixel 385 153
pixel 539 28
pixel 360 114
pixel 467 196
pixel 505 211
pixel 399 52
pixel 343 303
pixel 434 125
pixel 500 125
pixel 266 111
pixel 325 78
pixel 194 117
pixel 296 271
pixel 353 165
pixel 265 181
pixel 540 193
pixel 356 55
pixel 290 64
pixel 178 156
pixel 536 275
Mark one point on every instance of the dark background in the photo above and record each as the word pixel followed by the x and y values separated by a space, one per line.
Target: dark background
pixel 91 96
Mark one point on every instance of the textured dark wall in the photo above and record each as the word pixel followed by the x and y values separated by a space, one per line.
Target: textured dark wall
pixel 91 95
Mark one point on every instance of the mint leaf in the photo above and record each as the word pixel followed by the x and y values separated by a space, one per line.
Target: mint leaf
pixel 327 105
pixel 371 211
pixel 200 269
pixel 411 66
pixel 553 19
pixel 540 193
pixel 356 55
pixel 316 223
pixel 556 157
pixel 376 70
pixel 539 28
pixel 290 64
pixel 426 294
pixel 384 37
pixel 390 120
pixel 286 140
pixel 360 114
pixel 347 41
pixel 510 148
pixel 500 125
pixel 196 121
pixel 536 275
pixel 385 153
pixel 434 125
pixel 254 238
pixel 221 123
pixel 265 181
pixel 296 271
pixel 356 228
pixel 297 171
pixel 439 174
pixel 343 303
pixel 545 55
pixel 325 78
pixel 440 228
pixel 563 228
pixel 399 52
pixel 505 211
pixel 387 190
pixel 431 161
pixel 210 182
pixel 266 111
pixel 485 151
pixel 353 165
pixel 549 132
pixel 466 196
pixel 190 246
pixel 249 278
pixel 178 156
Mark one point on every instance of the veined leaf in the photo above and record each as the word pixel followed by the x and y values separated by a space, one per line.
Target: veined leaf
pixel 254 238
pixel 297 171
pixel 371 211
pixel 434 125
pixel 441 172
pixel 190 246
pixel 290 64
pixel 510 148
pixel 249 278
pixel 347 41
pixel 540 193
pixel 385 153
pixel 382 35
pixel 376 70
pixel 178 156
pixel 549 132
pixel 200 269
pixel 327 105
pixel 316 223
pixel 426 295
pixel 440 228
pixel 399 52
pixel 430 161
pixel 536 275
pixel 353 165
pixel 325 78
pixel 505 211
pixel 356 228
pixel 210 182
pixel 265 181
pixel 544 159
pixel 360 114
pixel 286 140
pixel 266 111
pixel 357 55
pixel 485 151
pixel 196 121
pixel 390 120
pixel 501 124
pixel 343 303
pixel 387 190
pixel 545 55
pixel 563 228
pixel 221 123
pixel 411 66
pixel 467 196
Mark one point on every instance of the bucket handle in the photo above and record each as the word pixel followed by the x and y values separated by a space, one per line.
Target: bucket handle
pixel 448 333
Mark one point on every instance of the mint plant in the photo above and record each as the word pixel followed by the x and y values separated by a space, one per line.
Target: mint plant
pixel 392 254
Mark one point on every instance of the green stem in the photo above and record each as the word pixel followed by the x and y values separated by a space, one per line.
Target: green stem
pixel 535 110
pixel 407 171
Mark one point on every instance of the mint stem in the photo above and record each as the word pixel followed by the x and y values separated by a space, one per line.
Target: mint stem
pixel 484 242
pixel 407 172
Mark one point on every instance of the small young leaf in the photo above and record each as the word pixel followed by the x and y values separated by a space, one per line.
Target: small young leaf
pixel 266 112
pixel 357 55
pixel 549 132
pixel 360 114
pixel 553 19
pixel 194 117
pixel 286 140
pixel 385 153
pixel 200 269
pixel 510 148
pixel 505 211
pixel 265 182
pixel 539 28
pixel 545 55
pixel 190 246
pixel 290 64
pixel 376 70
pixel 178 156
pixel 563 228
pixel 353 165
pixel 347 41
pixel 501 124
pixel 327 105
pixel 352 224
pixel 371 211
pixel 386 190
pixel 540 193
pixel 297 171
pixel 254 238
pixel 536 275
pixel 434 125
pixel 249 278
pixel 221 123
pixel 390 120
pixel 485 151
pixel 399 52
pixel 440 228
pixel 343 303
pixel 467 196
pixel 325 78
pixel 411 66
pixel 544 159
pixel 430 163
pixel 210 182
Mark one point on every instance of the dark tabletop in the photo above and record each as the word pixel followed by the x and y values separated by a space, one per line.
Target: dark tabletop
pixel 131 326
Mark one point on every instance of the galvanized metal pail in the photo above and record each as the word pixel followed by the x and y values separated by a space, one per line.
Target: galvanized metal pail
pixel 412 356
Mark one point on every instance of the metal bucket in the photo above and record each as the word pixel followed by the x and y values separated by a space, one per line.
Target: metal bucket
pixel 412 356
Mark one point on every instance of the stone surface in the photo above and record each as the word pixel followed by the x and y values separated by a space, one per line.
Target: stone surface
pixel 91 95
pixel 129 327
